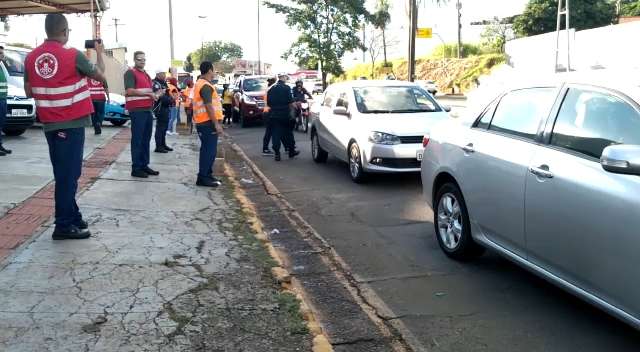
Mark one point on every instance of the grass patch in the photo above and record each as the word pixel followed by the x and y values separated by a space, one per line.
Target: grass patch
pixel 290 306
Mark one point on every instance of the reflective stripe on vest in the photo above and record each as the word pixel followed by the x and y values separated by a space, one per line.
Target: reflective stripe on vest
pixel 59 90
pixel 97 90
pixel 3 87
pixel 199 107
pixel 143 84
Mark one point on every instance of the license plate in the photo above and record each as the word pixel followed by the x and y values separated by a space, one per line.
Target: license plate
pixel 419 155
pixel 19 112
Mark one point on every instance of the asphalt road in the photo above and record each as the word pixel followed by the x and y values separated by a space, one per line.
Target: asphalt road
pixel 384 231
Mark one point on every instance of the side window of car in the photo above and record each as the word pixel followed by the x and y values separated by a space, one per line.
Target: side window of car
pixel 590 121
pixel 343 100
pixel 520 112
pixel 485 118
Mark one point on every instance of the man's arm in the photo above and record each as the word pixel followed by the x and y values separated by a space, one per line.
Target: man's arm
pixel 131 91
pixel 27 85
pixel 86 68
pixel 207 94
pixel 306 92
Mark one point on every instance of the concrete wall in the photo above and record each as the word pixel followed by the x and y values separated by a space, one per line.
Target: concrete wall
pixel 605 47
pixel 115 67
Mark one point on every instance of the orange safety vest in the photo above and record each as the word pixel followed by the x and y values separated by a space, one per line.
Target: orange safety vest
pixel 173 90
pixel 186 93
pixel 199 110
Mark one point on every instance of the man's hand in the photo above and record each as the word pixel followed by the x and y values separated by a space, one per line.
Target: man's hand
pixel 99 47
pixel 153 96
pixel 219 129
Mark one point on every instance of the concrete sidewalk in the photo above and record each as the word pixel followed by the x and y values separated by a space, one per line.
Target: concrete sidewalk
pixel 170 267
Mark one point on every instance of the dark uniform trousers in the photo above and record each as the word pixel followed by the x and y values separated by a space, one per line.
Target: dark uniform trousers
pixel 141 128
pixel 281 130
pixel 3 115
pixel 208 148
pixel 66 153
pixel 162 125
pixel 98 115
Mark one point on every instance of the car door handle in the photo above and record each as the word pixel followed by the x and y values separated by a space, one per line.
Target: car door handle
pixel 469 148
pixel 542 171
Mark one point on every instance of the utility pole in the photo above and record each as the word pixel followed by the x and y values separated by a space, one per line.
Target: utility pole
pixel 563 10
pixel 413 28
pixel 364 42
pixel 459 7
pixel 171 32
pixel 259 56
pixel 116 24
pixel 203 18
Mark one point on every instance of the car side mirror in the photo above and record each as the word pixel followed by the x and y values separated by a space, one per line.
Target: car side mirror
pixel 446 108
pixel 621 159
pixel 341 110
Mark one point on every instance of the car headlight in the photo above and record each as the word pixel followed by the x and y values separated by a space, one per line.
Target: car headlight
pixel 383 138
pixel 250 100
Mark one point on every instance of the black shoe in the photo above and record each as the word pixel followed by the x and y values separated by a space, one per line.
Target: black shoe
pixel 4 150
pixel 293 154
pixel 167 148
pixel 82 225
pixel 139 173
pixel 161 150
pixel 267 152
pixel 278 157
pixel 72 233
pixel 2 153
pixel 208 182
pixel 150 171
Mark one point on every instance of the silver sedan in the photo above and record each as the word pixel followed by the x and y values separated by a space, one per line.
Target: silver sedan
pixel 548 176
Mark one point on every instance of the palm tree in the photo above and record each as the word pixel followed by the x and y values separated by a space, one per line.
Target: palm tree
pixel 380 20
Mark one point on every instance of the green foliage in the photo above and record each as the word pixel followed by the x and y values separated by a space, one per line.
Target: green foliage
pixel 540 16
pixel 495 35
pixel 630 8
pixel 326 31
pixel 216 51
pixel 483 66
pixel 451 50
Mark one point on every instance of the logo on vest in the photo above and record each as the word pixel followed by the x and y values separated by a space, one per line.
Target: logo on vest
pixel 46 65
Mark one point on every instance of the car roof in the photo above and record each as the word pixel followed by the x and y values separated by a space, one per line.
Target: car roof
pixel 257 77
pixel 373 83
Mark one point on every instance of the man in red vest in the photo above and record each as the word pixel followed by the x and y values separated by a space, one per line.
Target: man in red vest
pixel 139 102
pixel 99 95
pixel 56 77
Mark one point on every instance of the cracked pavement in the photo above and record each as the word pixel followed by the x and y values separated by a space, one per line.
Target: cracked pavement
pixel 170 267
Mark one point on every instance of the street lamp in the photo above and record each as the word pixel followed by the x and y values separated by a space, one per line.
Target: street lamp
pixel 203 18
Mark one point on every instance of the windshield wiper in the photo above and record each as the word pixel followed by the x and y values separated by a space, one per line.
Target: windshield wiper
pixel 376 112
pixel 412 110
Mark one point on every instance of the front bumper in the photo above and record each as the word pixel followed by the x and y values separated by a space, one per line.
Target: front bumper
pixel 253 112
pixel 391 158
pixel 21 114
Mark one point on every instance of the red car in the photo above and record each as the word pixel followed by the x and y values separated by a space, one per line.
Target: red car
pixel 249 93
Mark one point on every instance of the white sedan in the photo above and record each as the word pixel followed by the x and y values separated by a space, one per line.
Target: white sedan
pixel 375 126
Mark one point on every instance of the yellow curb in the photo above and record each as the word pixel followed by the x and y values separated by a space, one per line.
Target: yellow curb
pixel 288 284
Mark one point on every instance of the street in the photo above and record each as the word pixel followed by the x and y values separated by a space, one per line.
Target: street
pixel 383 230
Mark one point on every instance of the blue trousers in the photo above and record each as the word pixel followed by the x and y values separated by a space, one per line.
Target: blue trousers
pixel 208 149
pixel 3 115
pixel 141 129
pixel 98 113
pixel 66 151
pixel 173 117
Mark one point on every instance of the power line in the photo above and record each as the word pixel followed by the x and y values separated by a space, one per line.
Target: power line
pixel 116 23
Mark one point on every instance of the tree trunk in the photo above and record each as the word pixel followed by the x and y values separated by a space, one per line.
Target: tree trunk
pixel 384 46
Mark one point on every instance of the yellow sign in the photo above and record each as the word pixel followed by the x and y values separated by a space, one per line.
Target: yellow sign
pixel 177 63
pixel 425 33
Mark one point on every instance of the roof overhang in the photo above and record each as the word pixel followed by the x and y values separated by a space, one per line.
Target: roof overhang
pixel 37 7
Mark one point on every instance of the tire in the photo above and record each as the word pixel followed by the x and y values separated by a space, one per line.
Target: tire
pixel 318 154
pixel 356 171
pixel 452 225
pixel 14 133
pixel 118 123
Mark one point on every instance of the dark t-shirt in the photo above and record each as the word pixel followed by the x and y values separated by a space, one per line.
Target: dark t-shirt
pixel 279 98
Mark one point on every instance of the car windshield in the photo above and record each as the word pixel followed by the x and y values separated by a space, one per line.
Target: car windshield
pixel 14 62
pixel 254 85
pixel 394 99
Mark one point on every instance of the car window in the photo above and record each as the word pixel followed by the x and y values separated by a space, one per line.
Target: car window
pixel 590 121
pixel 14 62
pixel 485 118
pixel 255 84
pixel 519 112
pixel 343 100
pixel 394 99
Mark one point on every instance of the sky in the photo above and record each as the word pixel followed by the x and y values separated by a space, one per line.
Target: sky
pixel 145 27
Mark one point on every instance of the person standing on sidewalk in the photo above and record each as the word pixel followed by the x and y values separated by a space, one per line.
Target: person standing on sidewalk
pixel 280 103
pixel 55 76
pixel 187 96
pixel 207 115
pixel 267 120
pixel 161 112
pixel 174 94
pixel 3 102
pixel 99 96
pixel 227 104
pixel 139 101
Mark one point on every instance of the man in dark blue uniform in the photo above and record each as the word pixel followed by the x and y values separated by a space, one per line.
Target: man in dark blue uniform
pixel 280 101
pixel 161 110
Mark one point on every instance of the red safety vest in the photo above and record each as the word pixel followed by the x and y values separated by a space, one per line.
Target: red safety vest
pixel 143 84
pixel 60 91
pixel 97 90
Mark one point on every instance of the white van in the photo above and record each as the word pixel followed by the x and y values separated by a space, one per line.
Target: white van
pixel 21 111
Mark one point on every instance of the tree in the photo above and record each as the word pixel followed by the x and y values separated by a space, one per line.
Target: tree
pixel 540 16
pixel 380 20
pixel 375 44
pixel 188 65
pixel 216 51
pixel 326 30
pixel 496 34
pixel 630 8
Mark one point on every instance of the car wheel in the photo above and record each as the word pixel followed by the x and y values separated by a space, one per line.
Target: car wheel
pixel 452 225
pixel 355 164
pixel 319 155
pixel 118 123
pixel 14 132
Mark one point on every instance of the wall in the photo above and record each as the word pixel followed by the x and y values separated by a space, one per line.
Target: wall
pixel 115 67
